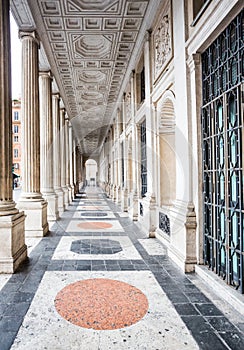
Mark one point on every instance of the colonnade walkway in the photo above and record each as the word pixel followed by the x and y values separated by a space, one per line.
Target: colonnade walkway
pixel 97 282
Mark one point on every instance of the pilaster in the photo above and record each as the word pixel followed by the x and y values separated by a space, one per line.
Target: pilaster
pixel 149 202
pixel 194 238
pixel 124 190
pixel 119 161
pixel 31 200
pixel 13 250
pixel 133 205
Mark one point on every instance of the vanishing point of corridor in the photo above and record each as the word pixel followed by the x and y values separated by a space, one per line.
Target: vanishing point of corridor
pixel 97 283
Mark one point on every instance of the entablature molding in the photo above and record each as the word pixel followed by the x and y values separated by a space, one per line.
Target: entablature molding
pixel 216 17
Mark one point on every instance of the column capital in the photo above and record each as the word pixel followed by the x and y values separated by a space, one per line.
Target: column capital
pixel 30 34
pixel 138 127
pixel 56 95
pixel 155 106
pixel 46 73
pixel 193 61
pixel 147 35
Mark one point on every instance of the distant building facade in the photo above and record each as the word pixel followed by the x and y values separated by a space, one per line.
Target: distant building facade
pixel 16 123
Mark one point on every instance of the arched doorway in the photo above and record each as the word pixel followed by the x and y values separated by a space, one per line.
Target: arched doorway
pixel 91 172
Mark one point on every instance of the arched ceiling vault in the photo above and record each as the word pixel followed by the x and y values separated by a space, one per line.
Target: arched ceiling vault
pixel 91 48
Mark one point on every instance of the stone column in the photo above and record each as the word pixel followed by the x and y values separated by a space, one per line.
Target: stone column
pixel 67 152
pixel 57 153
pixel 83 171
pixel 115 171
pixel 119 162
pixel 46 138
pixel 12 236
pixel 63 158
pixel 31 199
pixel 71 174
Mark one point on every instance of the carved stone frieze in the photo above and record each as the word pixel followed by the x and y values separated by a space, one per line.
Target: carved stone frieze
pixel 128 106
pixel 164 223
pixel 162 40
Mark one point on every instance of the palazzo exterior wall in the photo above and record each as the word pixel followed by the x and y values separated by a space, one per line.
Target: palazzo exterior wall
pixel 171 60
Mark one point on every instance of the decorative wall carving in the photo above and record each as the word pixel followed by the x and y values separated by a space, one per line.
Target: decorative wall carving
pixel 128 106
pixel 164 223
pixel 141 209
pixel 162 40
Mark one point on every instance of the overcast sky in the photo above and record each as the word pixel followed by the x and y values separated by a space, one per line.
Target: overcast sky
pixel 16 60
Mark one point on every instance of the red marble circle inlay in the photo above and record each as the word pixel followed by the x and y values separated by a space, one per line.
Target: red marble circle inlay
pixel 101 304
pixel 94 225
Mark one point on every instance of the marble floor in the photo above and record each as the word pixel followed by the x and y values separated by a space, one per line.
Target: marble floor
pixel 97 282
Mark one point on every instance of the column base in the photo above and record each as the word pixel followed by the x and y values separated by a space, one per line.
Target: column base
pixel 147 217
pixel 107 189
pixel 69 193
pixel 118 195
pixel 13 250
pixel 114 193
pixel 52 206
pixel 36 224
pixel 181 239
pixel 124 200
pixel 72 192
pixel 60 195
pixel 77 187
pixel 110 191
pixel 191 225
pixel 133 207
pixel 66 197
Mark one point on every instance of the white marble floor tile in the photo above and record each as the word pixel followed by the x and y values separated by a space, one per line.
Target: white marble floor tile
pixel 63 251
pixel 93 202
pixel 4 279
pixel 123 215
pixel 153 246
pixel 161 328
pixel 93 207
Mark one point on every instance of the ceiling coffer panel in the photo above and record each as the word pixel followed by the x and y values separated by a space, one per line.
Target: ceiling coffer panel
pixel 89 45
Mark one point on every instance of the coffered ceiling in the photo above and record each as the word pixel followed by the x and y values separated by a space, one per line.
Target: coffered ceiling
pixel 91 48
